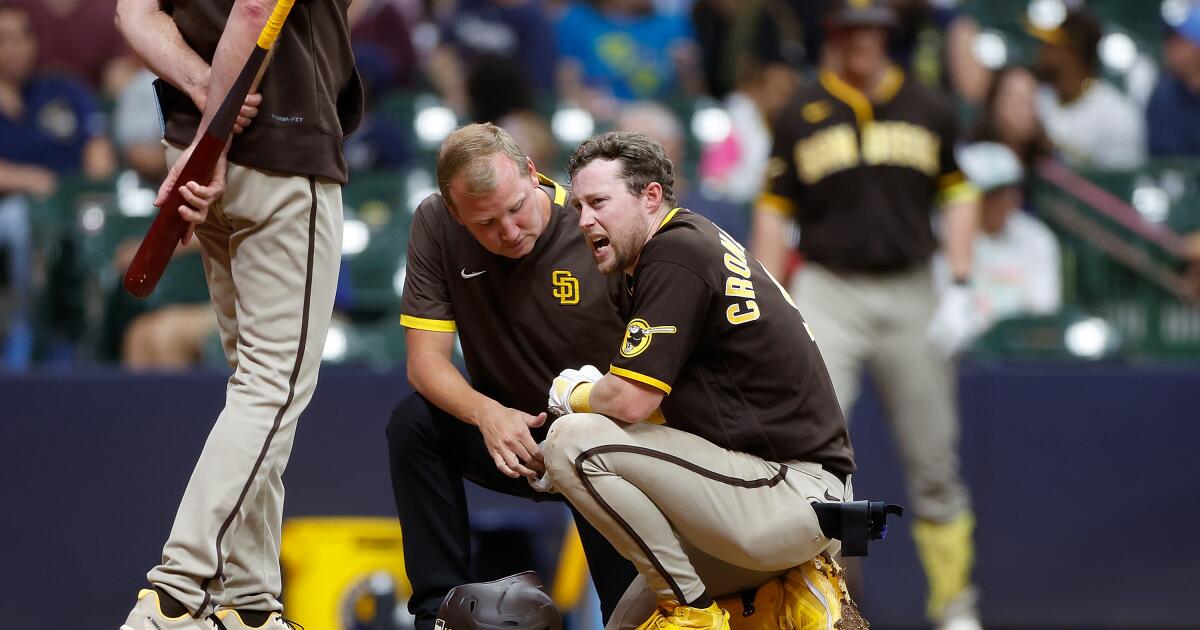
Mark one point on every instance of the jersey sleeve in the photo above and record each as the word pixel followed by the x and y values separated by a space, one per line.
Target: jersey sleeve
pixel 426 302
pixel 782 185
pixel 668 312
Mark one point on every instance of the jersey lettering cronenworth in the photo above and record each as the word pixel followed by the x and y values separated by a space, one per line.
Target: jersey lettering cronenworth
pixel 709 327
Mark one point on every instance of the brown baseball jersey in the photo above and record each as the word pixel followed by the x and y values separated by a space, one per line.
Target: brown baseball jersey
pixel 521 321
pixel 715 332
pixel 862 176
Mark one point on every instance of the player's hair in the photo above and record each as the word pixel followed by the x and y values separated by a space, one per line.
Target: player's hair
pixel 643 161
pixel 468 153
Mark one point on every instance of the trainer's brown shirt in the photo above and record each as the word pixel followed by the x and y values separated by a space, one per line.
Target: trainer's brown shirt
pixel 312 96
pixel 522 321
pixel 862 175
pixel 715 332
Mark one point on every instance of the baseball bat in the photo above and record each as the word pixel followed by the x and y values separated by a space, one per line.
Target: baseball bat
pixel 168 228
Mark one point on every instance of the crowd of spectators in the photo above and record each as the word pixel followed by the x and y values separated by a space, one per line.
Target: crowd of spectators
pixel 84 107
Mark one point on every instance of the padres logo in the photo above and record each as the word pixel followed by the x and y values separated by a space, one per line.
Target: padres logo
pixel 566 286
pixel 638 334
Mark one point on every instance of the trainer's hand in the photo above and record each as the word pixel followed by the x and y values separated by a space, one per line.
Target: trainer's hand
pixel 199 197
pixel 508 440
pixel 559 401
pixel 954 322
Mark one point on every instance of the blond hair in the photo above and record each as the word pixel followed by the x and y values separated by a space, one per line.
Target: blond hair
pixel 468 153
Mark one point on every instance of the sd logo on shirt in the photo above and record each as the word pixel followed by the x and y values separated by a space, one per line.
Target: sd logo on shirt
pixel 638 335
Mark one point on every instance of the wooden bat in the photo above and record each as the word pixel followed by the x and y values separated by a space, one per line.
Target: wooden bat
pixel 168 228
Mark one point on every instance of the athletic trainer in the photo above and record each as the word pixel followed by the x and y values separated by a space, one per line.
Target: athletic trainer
pixel 498 258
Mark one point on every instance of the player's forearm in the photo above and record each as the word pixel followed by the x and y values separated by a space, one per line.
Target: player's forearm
pixel 439 381
pixel 245 24
pixel 768 242
pixel 153 36
pixel 623 400
pixel 959 224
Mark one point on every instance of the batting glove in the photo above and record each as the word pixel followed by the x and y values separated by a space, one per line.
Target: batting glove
pixel 565 384
pixel 954 322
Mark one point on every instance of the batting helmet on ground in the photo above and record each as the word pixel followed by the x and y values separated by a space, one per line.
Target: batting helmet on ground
pixel 516 602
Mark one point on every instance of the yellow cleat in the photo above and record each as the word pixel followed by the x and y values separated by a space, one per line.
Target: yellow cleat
pixel 760 613
pixel 672 616
pixel 815 598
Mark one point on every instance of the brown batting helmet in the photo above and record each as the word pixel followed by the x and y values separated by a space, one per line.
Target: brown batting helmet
pixel 855 13
pixel 516 602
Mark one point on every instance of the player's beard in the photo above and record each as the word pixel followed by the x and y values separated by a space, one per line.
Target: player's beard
pixel 624 245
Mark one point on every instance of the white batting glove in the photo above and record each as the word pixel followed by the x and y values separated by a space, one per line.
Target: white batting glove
pixel 954 323
pixel 559 402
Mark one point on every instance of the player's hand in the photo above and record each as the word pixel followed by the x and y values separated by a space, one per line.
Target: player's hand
pixel 954 322
pixel 559 401
pixel 509 442
pixel 199 94
pixel 199 197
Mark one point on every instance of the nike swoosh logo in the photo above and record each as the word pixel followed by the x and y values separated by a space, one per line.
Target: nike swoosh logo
pixel 832 498
pixel 466 275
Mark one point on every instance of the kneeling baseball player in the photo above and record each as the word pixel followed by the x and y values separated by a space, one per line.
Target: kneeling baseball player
pixel 700 451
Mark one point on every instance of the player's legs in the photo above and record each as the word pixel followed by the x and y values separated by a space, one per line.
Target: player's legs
pixel 284 250
pixel 836 309
pixel 917 384
pixel 647 488
pixel 431 453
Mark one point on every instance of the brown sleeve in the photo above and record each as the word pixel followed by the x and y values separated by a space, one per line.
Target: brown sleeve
pixel 669 308
pixel 782 187
pixel 426 302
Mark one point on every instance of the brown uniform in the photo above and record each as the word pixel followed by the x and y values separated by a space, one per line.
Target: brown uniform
pixel 271 248
pixel 861 177
pixel 520 322
pixel 719 498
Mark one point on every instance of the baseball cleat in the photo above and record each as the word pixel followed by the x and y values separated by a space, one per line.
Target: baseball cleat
pixel 148 615
pixel 815 598
pixel 672 616
pixel 233 621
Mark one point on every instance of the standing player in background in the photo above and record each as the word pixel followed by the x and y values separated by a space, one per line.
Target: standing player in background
pixel 496 257
pixel 717 501
pixel 271 247
pixel 860 159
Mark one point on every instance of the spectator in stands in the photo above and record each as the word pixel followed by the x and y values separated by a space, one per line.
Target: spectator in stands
pixel 623 50
pixel 1009 115
pixel 660 124
pixel 1173 113
pixel 736 36
pixel 87 45
pixel 493 56
pixel 933 43
pixel 1091 122
pixel 531 132
pixel 1017 265
pixel 49 127
pixel 382 40
pixel 735 168
pixel 171 334
pixel 137 129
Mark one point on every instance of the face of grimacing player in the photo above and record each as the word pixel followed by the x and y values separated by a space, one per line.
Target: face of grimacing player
pixel 508 220
pixel 615 222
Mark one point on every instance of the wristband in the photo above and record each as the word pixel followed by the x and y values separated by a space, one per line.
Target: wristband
pixel 580 400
